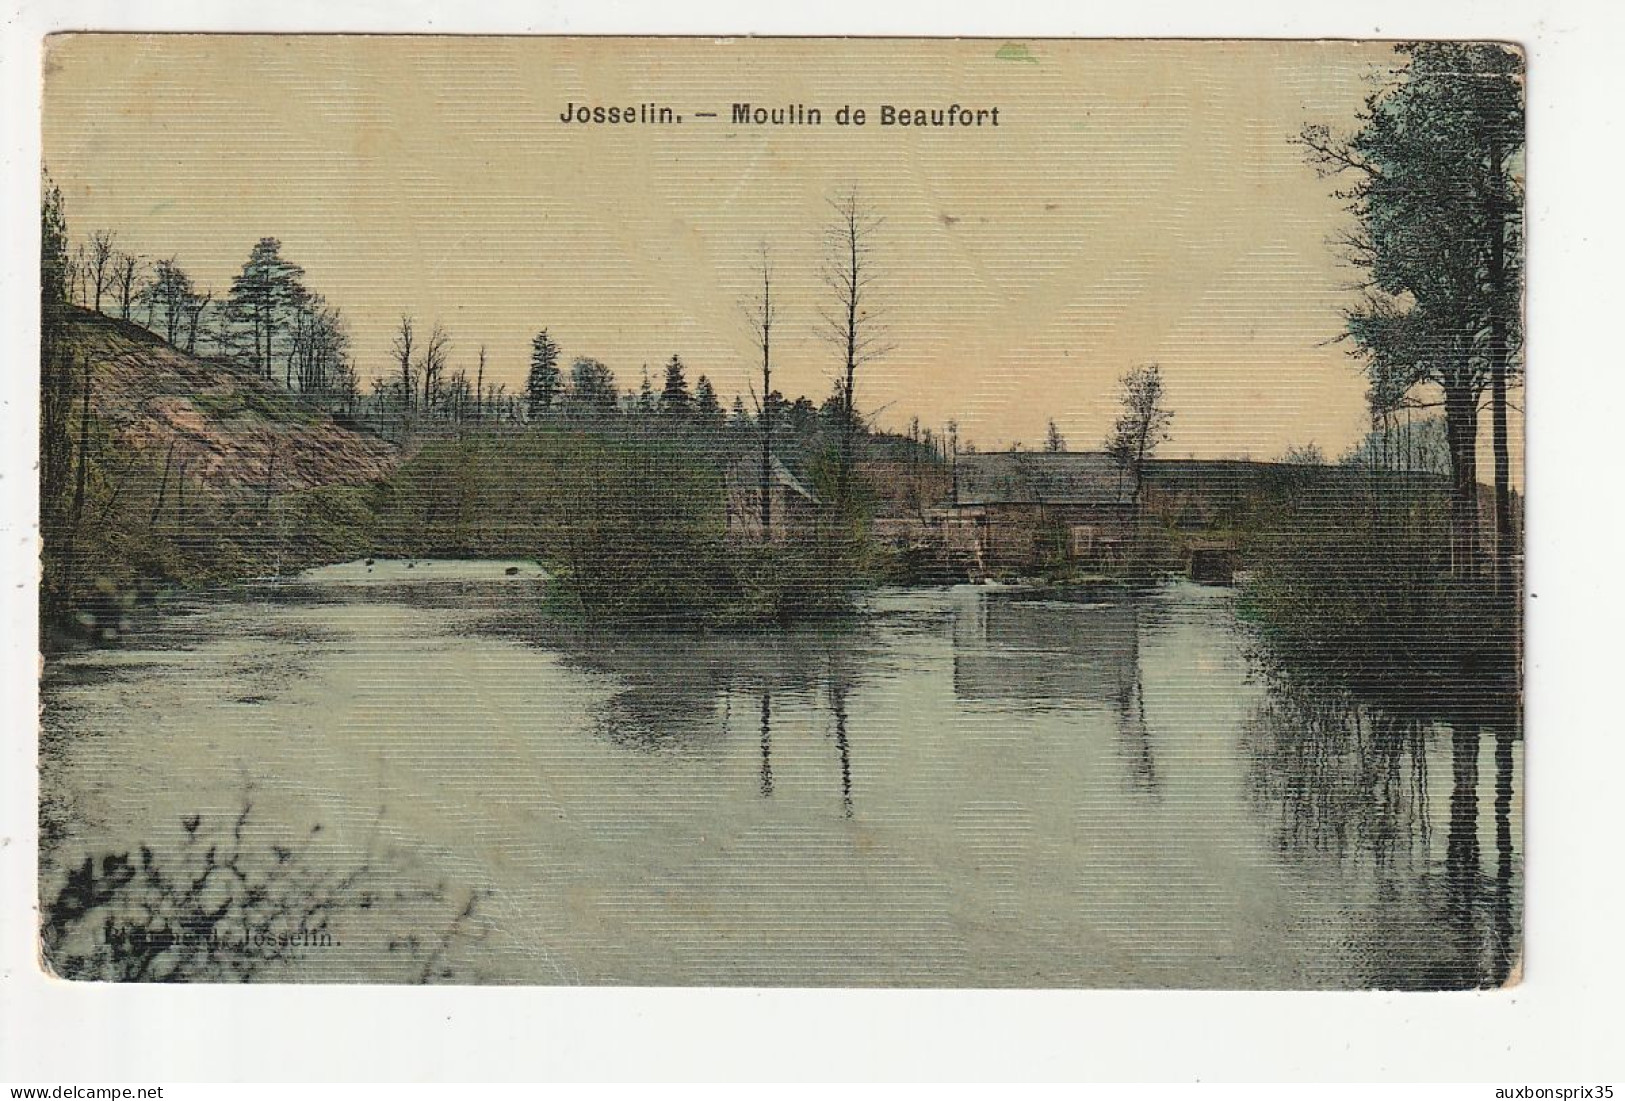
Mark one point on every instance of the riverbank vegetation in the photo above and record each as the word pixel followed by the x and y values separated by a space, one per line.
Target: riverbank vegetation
pixel 1399 587
pixel 224 441
pixel 631 524
pixel 1365 595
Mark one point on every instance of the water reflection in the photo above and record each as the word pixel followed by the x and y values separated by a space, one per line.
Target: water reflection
pixel 1349 792
pixel 1133 732
pixel 674 690
pixel 677 691
pixel 967 786
pixel 840 683
pixel 1048 649
pixel 1349 782
pixel 1506 942
pixel 767 743
pixel 1042 650
pixel 1346 780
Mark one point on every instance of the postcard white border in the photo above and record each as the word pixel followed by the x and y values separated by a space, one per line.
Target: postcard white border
pixel 1560 1025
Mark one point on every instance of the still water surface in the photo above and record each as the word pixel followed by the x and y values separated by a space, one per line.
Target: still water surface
pixel 966 786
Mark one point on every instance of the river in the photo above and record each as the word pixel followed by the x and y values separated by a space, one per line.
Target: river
pixel 965 786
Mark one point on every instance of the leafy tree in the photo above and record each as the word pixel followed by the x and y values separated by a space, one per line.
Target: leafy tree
pixel 1437 201
pixel 833 410
pixel 592 390
pixel 61 390
pixel 1143 424
pixel 56 390
pixel 54 259
pixel 801 416
pixel 1308 454
pixel 675 400
pixel 1409 445
pixel 542 385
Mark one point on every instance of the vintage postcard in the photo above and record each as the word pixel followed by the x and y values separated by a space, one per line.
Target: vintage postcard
pixel 781 512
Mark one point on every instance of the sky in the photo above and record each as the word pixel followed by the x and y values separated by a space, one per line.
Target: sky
pixel 1139 202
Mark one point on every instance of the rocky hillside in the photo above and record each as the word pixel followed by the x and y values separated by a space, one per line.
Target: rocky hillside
pixel 229 430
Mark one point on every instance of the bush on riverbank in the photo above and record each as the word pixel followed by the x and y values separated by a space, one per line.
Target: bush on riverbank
pixel 1366 595
pixel 632 526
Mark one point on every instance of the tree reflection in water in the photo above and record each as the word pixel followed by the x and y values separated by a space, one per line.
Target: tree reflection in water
pixel 840 683
pixel 675 690
pixel 1350 782
pixel 767 742
pixel 1380 811
pixel 1133 732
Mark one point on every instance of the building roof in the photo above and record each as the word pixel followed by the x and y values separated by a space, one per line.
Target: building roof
pixel 747 474
pixel 1041 478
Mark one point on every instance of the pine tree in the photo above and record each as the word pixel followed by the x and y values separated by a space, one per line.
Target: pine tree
pixel 1054 442
pixel 542 387
pixel 675 399
pixel 646 394
pixel 705 400
pixel 266 289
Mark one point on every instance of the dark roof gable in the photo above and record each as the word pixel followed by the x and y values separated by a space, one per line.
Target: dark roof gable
pixel 746 474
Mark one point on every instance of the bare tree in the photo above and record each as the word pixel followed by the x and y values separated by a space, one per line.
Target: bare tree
pixel 126 274
pixel 433 364
pixel 401 350
pixel 77 268
pixel 760 313
pixel 321 351
pixel 101 264
pixel 852 322
pixel 171 289
pixel 194 306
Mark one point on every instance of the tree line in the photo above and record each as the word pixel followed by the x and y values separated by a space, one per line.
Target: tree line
pixel 269 320
pixel 851 321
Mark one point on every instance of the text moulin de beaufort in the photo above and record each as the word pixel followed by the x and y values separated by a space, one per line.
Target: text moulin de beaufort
pixel 791 114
